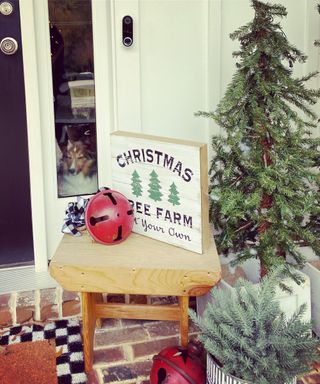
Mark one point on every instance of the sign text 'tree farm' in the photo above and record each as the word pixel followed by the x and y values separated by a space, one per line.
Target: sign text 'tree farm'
pixel 165 180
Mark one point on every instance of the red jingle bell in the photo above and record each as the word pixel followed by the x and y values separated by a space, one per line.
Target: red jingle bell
pixel 109 217
pixel 176 365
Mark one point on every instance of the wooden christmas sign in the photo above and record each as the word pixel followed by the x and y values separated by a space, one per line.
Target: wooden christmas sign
pixel 166 182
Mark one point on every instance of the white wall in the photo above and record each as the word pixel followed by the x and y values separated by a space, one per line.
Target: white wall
pixel 182 60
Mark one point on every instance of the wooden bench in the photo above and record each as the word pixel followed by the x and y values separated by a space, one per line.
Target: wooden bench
pixel 139 265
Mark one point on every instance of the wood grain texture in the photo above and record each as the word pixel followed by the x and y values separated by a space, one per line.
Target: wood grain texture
pixel 139 265
pixel 88 327
pixel 204 182
pixel 163 139
pixel 184 320
pixel 138 311
pixel 98 299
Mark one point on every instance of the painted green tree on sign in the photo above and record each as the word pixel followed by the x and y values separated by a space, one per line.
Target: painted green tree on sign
pixel 174 199
pixel 154 191
pixel 136 184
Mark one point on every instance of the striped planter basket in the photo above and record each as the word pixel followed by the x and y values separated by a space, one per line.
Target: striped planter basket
pixel 215 375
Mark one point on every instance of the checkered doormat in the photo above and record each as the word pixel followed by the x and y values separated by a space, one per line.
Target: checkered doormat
pixel 70 365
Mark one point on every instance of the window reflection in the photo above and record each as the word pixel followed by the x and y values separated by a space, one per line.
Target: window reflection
pixel 70 26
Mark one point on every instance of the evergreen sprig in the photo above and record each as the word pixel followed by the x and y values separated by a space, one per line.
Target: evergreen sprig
pixel 246 331
pixel 264 186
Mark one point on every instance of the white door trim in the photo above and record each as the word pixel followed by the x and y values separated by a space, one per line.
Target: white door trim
pixel 104 86
pixel 53 205
pixel 34 135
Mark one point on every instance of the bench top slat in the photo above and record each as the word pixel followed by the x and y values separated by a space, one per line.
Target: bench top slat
pixel 138 265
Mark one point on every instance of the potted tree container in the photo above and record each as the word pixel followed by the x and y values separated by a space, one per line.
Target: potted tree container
pixel 250 340
pixel 312 271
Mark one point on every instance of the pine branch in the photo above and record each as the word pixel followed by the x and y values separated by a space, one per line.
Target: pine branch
pixel 245 330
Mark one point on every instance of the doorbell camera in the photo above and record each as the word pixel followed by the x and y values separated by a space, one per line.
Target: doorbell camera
pixel 127 31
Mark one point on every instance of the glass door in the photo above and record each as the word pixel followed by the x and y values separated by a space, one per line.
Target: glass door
pixel 72 64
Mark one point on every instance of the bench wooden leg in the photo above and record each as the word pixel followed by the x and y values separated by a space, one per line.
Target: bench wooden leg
pixel 184 320
pixel 99 299
pixel 88 324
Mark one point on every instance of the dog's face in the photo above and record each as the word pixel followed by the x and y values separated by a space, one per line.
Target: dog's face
pixel 77 158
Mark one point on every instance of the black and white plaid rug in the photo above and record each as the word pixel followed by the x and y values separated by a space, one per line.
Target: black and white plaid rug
pixel 70 364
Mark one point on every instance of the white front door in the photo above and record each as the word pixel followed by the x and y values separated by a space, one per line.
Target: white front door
pixel 91 84
pixel 74 71
pixel 162 79
pixel 180 61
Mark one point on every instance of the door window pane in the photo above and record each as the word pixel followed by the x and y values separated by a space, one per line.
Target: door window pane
pixel 70 26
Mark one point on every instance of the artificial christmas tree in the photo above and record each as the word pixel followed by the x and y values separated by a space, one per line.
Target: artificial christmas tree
pixel 263 185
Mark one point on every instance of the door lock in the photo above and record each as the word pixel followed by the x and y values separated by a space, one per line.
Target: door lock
pixel 8 46
pixel 6 8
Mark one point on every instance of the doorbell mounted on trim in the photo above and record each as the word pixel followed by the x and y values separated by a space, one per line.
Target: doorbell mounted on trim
pixel 127 31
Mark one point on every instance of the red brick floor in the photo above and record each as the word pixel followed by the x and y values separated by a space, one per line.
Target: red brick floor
pixel 124 350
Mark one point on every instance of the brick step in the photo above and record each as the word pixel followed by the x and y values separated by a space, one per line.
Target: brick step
pixel 124 349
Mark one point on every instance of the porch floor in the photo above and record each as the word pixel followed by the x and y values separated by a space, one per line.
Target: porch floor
pixel 124 350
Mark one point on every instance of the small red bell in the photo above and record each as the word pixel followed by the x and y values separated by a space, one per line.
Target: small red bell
pixel 109 217
pixel 176 365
